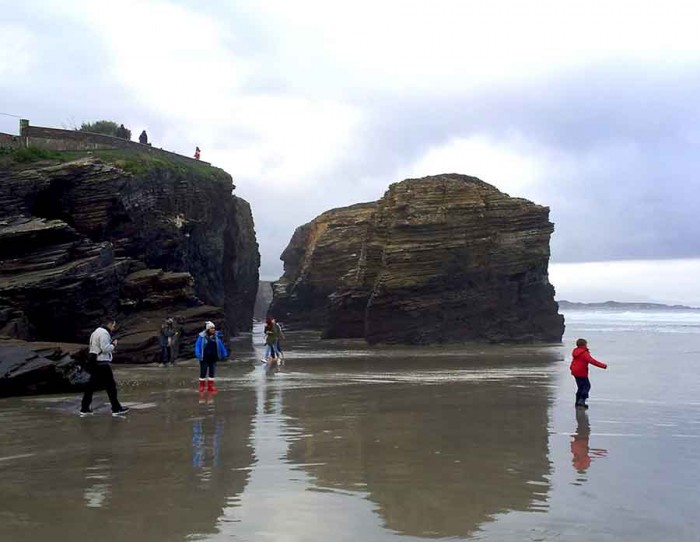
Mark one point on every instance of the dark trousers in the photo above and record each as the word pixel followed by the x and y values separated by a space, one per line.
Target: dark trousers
pixel 583 386
pixel 166 353
pixel 101 376
pixel 205 365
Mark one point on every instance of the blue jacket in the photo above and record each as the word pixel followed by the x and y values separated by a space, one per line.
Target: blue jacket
pixel 199 346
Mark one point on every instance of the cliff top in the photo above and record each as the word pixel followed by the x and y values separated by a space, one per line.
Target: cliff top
pixel 132 161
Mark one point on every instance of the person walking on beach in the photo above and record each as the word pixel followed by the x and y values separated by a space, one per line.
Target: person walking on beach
pixel 208 349
pixel 99 366
pixel 271 339
pixel 579 369
pixel 278 342
pixel 166 339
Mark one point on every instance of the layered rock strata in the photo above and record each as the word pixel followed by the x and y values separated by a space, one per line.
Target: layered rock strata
pixel 438 259
pixel 87 238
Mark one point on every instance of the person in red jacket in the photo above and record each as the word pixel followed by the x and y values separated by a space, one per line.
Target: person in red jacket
pixel 579 369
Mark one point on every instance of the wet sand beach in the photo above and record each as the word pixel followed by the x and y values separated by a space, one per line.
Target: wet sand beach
pixel 348 442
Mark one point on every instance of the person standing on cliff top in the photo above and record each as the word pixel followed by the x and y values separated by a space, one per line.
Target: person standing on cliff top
pixel 143 138
pixel 579 370
pixel 196 153
pixel 208 349
pixel 122 132
pixel 99 366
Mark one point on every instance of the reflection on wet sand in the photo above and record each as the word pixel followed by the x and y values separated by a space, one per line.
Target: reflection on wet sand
pixel 98 487
pixel 161 475
pixel 438 461
pixel 582 453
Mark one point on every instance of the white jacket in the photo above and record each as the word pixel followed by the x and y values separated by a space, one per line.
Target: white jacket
pixel 101 344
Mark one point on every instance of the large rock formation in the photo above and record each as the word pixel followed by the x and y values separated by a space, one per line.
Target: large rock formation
pixel 135 237
pixel 437 259
pixel 38 367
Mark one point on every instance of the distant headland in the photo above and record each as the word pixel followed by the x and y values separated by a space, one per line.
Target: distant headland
pixel 619 306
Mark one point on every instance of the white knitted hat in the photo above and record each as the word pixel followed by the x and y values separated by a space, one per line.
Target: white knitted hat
pixel 209 325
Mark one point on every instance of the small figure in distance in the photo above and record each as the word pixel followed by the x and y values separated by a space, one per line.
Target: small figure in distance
pixel 270 342
pixel 122 132
pixel 278 343
pixel 99 366
pixel 166 339
pixel 196 153
pixel 579 369
pixel 179 332
pixel 208 349
pixel 143 138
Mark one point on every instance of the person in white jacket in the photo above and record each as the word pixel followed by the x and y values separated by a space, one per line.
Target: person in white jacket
pixel 99 366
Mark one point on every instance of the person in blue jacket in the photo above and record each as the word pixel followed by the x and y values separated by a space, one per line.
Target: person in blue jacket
pixel 209 349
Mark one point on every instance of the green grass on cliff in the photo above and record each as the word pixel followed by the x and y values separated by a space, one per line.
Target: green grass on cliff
pixel 26 156
pixel 137 163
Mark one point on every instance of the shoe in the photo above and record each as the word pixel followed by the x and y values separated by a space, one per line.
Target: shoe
pixel 202 385
pixel 211 388
pixel 84 413
pixel 122 410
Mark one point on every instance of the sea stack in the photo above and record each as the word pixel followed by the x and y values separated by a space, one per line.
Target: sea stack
pixel 446 258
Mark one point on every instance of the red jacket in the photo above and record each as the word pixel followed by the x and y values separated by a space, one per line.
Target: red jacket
pixel 582 357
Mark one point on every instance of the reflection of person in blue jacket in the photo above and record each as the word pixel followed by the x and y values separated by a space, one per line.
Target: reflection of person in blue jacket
pixel 208 349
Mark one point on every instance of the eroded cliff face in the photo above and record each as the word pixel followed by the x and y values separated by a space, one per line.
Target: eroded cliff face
pixel 438 259
pixel 87 238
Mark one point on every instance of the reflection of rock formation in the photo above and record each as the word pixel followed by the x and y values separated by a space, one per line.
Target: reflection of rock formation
pixel 437 259
pixel 131 479
pixel 437 462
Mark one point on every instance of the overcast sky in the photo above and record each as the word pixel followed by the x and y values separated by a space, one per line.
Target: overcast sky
pixel 588 107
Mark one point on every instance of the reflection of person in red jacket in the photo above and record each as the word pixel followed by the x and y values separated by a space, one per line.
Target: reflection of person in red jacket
pixel 579 368
pixel 580 450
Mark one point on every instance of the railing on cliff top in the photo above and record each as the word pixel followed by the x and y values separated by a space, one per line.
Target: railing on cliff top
pixel 55 139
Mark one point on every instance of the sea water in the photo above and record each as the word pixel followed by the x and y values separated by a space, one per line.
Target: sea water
pixel 348 442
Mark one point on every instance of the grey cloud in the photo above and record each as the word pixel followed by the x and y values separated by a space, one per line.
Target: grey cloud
pixel 637 205
pixel 632 205
pixel 638 121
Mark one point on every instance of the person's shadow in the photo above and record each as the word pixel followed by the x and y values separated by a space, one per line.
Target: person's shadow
pixel 582 453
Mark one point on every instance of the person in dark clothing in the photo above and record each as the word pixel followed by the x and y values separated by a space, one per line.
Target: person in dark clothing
pixel 122 132
pixel 278 343
pixel 271 339
pixel 99 366
pixel 209 349
pixel 143 138
pixel 167 340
